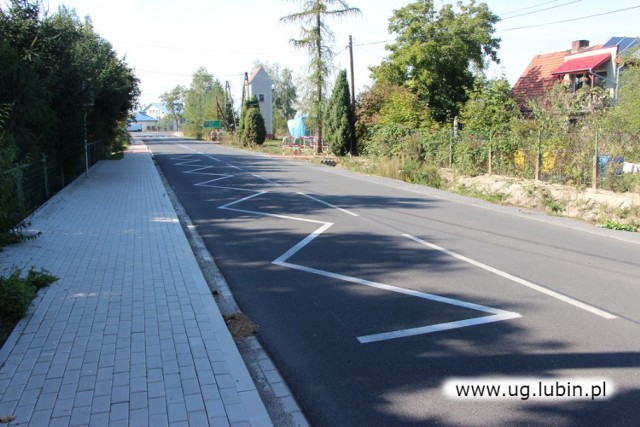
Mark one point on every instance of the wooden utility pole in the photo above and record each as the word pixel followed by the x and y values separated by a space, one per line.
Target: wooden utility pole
pixel 353 100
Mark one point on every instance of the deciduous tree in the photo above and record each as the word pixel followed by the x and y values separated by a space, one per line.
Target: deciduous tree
pixel 201 100
pixel 624 115
pixel 490 109
pixel 435 50
pixel 174 101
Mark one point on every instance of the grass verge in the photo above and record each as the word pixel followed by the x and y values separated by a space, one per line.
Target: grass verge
pixel 16 293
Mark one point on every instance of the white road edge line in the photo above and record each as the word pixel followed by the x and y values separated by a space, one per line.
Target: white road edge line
pixel 517 279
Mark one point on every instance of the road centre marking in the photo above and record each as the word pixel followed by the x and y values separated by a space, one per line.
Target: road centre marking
pixel 517 279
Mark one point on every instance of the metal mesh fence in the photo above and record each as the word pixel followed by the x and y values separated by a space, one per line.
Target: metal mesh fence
pixel 26 187
pixel 582 158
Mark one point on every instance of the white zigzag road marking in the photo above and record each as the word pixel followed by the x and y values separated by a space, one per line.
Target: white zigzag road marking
pixel 517 279
pixel 496 315
pixel 329 204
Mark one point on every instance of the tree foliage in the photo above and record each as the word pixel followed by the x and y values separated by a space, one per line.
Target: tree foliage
pixel 316 37
pixel 624 114
pixel 252 127
pixel 174 101
pixel 387 104
pixel 201 102
pixel 58 80
pixel 54 69
pixel 435 50
pixel 491 108
pixel 339 118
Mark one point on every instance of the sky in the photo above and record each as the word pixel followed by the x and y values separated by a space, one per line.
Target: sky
pixel 166 41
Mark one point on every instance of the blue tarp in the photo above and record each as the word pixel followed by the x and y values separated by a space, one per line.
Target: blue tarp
pixel 296 127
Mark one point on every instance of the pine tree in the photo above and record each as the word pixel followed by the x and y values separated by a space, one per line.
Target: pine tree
pixel 252 128
pixel 315 37
pixel 339 118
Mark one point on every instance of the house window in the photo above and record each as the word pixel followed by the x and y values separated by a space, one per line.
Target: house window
pixel 261 97
pixel 580 81
pixel 601 78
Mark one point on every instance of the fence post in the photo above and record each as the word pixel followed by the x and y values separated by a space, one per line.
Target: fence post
pixel 594 182
pixel 46 175
pixel 538 155
pixel 451 149
pixel 17 175
pixel 490 152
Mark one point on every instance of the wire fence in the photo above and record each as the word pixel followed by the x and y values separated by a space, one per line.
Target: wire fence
pixel 581 158
pixel 27 186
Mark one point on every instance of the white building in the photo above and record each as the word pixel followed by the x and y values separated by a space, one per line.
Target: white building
pixel 156 110
pixel 261 85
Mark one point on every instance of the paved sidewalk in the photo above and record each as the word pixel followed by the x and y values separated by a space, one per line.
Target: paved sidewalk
pixel 130 333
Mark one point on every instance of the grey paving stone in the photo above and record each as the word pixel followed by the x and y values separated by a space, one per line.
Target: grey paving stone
pixel 194 403
pixel 139 400
pixel 100 404
pixel 236 414
pixel 156 389
pixel 119 394
pixel 41 418
pixel 83 398
pixel 46 401
pixel 60 421
pixel 219 421
pixel 159 420
pixel 177 412
pixel 119 411
pixel 139 417
pixel 80 416
pixel 198 418
pixel 125 336
pixel 62 408
pixel 23 413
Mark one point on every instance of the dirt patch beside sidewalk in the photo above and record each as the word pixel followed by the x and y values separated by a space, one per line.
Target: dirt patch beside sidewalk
pixel 593 206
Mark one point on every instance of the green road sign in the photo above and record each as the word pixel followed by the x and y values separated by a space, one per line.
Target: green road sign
pixel 212 124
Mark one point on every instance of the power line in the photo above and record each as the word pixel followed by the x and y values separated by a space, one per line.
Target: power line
pixel 198 51
pixel 542 10
pixel 527 8
pixel 371 43
pixel 567 20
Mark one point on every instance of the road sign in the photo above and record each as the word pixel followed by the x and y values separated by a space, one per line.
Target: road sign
pixel 212 124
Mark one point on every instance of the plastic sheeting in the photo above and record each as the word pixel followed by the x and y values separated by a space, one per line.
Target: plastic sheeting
pixel 297 127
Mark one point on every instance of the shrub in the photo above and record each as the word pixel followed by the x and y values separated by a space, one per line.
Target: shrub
pixel 252 128
pixel 17 292
pixel 421 173
pixel 15 296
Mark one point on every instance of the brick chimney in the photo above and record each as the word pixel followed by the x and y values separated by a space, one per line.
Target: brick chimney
pixel 578 45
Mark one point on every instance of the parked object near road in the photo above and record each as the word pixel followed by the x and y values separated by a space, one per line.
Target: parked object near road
pixel 631 167
pixel 134 127
pixel 612 163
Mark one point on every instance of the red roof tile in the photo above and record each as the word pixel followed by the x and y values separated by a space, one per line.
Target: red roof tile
pixel 537 78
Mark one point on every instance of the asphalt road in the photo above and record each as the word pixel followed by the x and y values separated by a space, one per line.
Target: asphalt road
pixel 370 293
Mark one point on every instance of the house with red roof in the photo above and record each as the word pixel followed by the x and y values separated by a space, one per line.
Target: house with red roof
pixel 580 66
